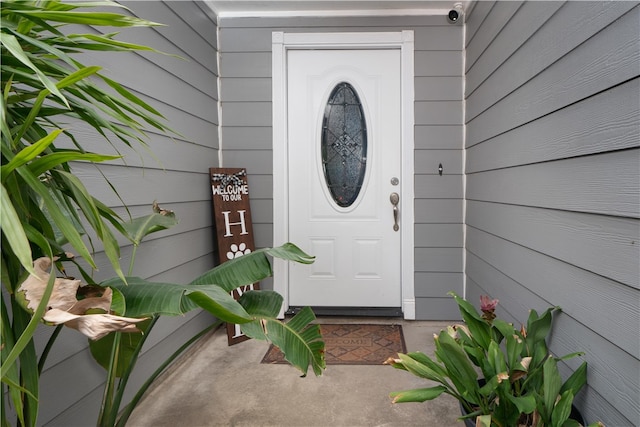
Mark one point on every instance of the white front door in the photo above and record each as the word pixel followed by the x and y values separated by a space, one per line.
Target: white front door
pixel 344 163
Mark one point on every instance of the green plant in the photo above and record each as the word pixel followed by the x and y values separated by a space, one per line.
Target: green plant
pixel 502 376
pixel 46 211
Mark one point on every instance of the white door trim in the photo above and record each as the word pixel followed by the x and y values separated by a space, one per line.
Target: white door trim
pixel 281 42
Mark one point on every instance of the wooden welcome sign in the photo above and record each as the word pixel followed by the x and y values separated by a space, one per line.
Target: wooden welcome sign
pixel 232 216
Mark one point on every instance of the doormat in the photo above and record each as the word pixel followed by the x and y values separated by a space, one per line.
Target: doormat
pixel 353 344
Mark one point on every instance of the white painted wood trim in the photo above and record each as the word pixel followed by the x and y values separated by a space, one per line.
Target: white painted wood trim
pixel 408 150
pixel 281 42
pixel 330 13
pixel 280 168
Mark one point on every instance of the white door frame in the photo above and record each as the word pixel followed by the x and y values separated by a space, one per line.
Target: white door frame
pixel 281 42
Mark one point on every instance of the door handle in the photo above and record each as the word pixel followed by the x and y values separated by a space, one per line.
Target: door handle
pixel 395 198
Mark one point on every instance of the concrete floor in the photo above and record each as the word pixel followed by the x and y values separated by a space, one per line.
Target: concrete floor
pixel 217 385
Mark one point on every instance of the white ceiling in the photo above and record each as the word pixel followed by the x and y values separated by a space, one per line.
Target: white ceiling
pixel 233 8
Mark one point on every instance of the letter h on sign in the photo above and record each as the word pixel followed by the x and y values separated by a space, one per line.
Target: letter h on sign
pixel 234 231
pixel 227 225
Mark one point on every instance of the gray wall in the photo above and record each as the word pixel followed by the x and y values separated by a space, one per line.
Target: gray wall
pixel 552 163
pixel 185 91
pixel 245 69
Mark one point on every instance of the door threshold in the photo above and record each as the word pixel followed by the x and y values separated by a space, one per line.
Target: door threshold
pixel 351 311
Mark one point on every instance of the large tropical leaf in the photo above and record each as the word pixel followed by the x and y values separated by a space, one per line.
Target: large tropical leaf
pixel 299 340
pixel 210 291
pixel 460 370
pixel 421 367
pixel 138 228
pixel 252 267
pixel 418 394
pixel 479 328
pixel 144 298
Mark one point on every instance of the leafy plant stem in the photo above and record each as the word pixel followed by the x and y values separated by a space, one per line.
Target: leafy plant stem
pixel 47 348
pixel 133 259
pixel 124 378
pixel 105 418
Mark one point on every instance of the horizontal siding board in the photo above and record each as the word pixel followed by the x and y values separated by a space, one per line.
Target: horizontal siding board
pixel 437 63
pixel 428 161
pixel 211 14
pixel 174 55
pixel 580 293
pixel 256 162
pixel 605 122
pixel 475 17
pixel 246 113
pixel 588 66
pixel 263 235
pixel 260 186
pixel 192 244
pixel 188 271
pixel 162 152
pixel 438 260
pixel 262 211
pixel 438 211
pixel 607 246
pixel 494 22
pixel 438 137
pixel 436 309
pixel 518 22
pixel 439 235
pixel 53 401
pixel 438 187
pixel 438 88
pixel 177 30
pixel 201 18
pixel 68 343
pixel 192 216
pixel 247 138
pixel 196 243
pixel 203 127
pixel 85 409
pixel 437 285
pixel 246 89
pixel 438 113
pixel 604 184
pixel 169 186
pixel 175 91
pixel 245 64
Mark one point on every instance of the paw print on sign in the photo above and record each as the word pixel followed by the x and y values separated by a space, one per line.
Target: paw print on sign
pixel 238 250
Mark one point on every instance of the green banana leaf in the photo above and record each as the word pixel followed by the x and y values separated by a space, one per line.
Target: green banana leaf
pixel 256 311
pixel 299 340
pixel 138 228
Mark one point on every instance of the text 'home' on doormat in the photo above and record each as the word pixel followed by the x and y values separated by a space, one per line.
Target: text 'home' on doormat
pixel 354 344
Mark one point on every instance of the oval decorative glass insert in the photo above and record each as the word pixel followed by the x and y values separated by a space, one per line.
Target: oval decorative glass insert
pixel 344 144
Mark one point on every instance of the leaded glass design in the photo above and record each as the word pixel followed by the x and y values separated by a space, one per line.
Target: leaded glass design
pixel 344 144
